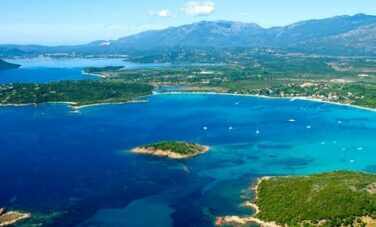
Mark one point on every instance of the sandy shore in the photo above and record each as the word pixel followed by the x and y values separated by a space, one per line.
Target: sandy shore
pixel 228 220
pixel 73 105
pixel 166 153
pixel 206 93
pixel 93 74
pixel 271 97
pixel 22 217
pixel 35 104
pixel 109 103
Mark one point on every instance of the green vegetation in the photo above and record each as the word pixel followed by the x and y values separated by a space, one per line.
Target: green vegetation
pixel 80 92
pixel 332 199
pixel 276 74
pixel 95 70
pixel 7 65
pixel 243 71
pixel 182 148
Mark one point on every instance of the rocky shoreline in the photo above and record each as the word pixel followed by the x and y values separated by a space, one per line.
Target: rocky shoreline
pixel 11 217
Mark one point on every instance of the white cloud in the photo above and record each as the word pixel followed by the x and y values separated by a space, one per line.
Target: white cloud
pixel 162 13
pixel 194 8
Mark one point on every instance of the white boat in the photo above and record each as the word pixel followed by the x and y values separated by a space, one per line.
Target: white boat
pixel 291 120
pixel 257 131
pixel 205 128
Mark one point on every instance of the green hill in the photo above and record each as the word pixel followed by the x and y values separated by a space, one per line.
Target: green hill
pixel 327 199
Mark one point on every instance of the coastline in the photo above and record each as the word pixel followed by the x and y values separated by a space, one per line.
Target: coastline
pixel 167 153
pixel 22 217
pixel 72 104
pixel 107 103
pixel 228 220
pixel 271 97
pixel 201 93
pixel 93 74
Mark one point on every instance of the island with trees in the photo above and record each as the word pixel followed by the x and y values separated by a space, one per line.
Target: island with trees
pixel 172 149
pixel 11 217
pixel 328 199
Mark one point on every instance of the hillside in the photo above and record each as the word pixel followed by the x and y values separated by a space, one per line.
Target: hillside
pixel 341 35
pixel 338 198
pixel 326 199
pixel 346 32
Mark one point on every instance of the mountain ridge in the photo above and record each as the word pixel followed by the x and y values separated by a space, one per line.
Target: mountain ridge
pixel 335 35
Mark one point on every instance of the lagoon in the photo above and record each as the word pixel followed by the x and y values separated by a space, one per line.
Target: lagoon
pixel 44 70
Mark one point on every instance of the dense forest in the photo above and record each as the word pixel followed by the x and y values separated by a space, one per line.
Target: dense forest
pixel 334 199
pixel 80 92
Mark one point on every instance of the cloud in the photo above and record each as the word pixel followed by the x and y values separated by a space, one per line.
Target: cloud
pixel 162 13
pixel 195 8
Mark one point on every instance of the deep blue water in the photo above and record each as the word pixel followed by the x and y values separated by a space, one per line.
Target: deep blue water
pixel 43 70
pixel 74 168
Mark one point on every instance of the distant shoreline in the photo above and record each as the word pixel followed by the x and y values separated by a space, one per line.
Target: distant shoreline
pixel 71 104
pixel 201 93
pixel 93 74
pixel 271 97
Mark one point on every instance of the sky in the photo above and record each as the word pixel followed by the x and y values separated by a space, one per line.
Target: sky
pixel 70 22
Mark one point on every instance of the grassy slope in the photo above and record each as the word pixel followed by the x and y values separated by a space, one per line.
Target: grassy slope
pixel 339 197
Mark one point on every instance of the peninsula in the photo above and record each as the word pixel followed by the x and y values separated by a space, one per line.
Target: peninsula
pixel 7 65
pixel 327 199
pixel 172 149
pixel 77 93
pixel 11 217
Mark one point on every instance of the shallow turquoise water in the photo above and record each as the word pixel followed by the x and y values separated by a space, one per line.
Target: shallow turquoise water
pixel 54 159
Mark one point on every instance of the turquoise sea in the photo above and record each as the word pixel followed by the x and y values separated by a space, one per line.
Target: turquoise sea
pixel 72 168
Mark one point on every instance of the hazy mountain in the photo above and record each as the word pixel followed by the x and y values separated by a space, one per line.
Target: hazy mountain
pixel 312 35
pixel 313 30
pixel 362 38
pixel 337 35
pixel 202 34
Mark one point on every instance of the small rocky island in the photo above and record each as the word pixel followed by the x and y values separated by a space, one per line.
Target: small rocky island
pixel 328 199
pixel 172 149
pixel 11 217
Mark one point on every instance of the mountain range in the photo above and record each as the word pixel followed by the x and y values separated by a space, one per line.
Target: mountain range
pixel 341 35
